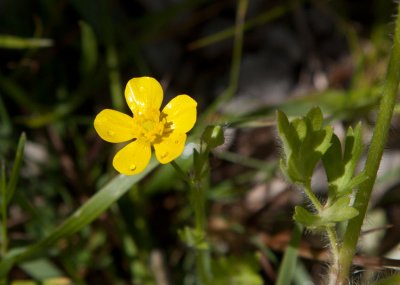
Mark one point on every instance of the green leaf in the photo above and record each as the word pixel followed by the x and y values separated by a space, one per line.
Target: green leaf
pixel 340 167
pixel 12 184
pixel 333 163
pixel 89 48
pixel 305 217
pixel 324 138
pixel 88 212
pixel 287 133
pixel 304 141
pixel 316 118
pixel 339 211
pixel 41 269
pixel 300 128
pixel 351 156
pixel 213 136
pixel 354 182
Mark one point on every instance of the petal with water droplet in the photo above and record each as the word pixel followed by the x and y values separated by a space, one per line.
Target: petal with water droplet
pixel 170 147
pixel 181 113
pixel 143 93
pixel 114 126
pixel 133 158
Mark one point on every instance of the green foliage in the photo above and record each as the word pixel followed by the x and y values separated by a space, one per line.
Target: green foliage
pixel 12 184
pixel 288 266
pixel 213 136
pixel 304 142
pixel 13 42
pixel 89 49
pixel 69 60
pixel 236 271
pixel 340 165
pixel 98 203
pixel 193 238
pixel 337 212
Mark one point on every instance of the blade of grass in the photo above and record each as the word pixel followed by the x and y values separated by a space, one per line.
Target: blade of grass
pixel 288 265
pixel 3 192
pixel 88 212
pixel 16 167
pixel 88 48
pixel 112 58
pixel 6 125
pixel 18 94
pixel 266 17
pixel 13 42
pixel 235 65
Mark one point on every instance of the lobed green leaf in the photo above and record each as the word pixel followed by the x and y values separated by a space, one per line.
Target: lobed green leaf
pixel 338 212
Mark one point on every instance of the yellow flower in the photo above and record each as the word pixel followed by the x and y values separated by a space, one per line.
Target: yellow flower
pixel 165 131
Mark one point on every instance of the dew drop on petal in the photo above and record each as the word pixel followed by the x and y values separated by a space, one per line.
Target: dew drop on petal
pixel 132 167
pixel 110 133
pixel 164 154
pixel 141 89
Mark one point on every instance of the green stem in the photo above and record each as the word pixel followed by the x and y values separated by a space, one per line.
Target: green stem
pixel 334 244
pixel 202 255
pixel 329 230
pixel 375 152
pixel 180 172
pixel 198 200
pixel 4 234
pixel 314 200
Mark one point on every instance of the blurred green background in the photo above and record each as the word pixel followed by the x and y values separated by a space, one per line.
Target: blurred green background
pixel 61 62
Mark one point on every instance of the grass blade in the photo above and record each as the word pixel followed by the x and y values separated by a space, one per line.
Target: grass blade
pixel 13 42
pixel 3 213
pixel 88 212
pixel 16 167
pixel 288 266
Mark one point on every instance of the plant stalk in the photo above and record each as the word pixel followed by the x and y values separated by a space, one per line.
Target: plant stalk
pixel 374 156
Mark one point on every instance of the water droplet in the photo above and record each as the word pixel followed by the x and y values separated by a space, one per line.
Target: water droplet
pixel 164 154
pixel 141 89
pixel 132 167
pixel 110 133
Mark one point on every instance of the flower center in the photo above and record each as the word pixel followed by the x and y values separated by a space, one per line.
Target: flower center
pixel 151 125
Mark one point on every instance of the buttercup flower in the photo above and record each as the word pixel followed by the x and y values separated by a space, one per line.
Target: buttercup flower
pixel 165 131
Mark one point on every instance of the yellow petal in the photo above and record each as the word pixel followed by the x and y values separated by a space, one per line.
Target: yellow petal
pixel 181 113
pixel 143 93
pixel 133 158
pixel 114 126
pixel 170 148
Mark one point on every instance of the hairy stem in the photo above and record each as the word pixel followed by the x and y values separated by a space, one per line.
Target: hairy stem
pixel 375 152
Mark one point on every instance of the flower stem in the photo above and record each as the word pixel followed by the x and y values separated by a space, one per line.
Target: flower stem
pixel 198 200
pixel 202 255
pixel 375 152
